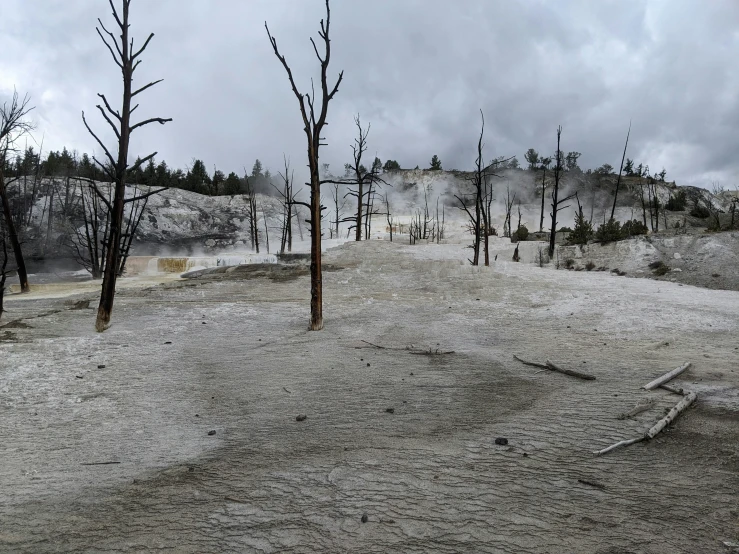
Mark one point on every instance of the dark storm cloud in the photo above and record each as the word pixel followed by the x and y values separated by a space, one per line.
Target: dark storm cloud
pixel 418 71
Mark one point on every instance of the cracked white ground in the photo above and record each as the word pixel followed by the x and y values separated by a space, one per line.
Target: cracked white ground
pixel 428 476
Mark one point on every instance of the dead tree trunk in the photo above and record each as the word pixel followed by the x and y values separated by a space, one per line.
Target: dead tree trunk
pixel 12 126
pixel 3 268
pixel 50 219
pixel 117 168
pixel 337 209
pixel 558 168
pixel 252 215
pixel 13 234
pixel 360 176
pixel 620 171
pixel 508 209
pixel 313 126
pixel 543 194
pixel 476 212
pixel 389 217
pixel 136 212
pixel 266 229
pixel 287 204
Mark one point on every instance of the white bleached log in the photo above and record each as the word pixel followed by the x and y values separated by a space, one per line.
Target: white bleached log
pixel 667 377
pixel 657 427
pixel 672 415
pixel 617 445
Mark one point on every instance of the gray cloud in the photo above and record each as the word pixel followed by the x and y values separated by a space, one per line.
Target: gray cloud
pixel 419 71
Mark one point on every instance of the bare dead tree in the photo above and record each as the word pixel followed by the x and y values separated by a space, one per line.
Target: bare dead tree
pixel 339 204
pixel 509 201
pixel 519 217
pixel 426 213
pixel 361 176
pixel 440 233
pixel 266 229
pixel 556 201
pixel 544 165
pixel 287 201
pixel 472 204
pixel 3 265
pixel 252 216
pixel 389 216
pixel 620 171
pixel 313 126
pixel 13 124
pixel 369 209
pixel 88 243
pixel 127 60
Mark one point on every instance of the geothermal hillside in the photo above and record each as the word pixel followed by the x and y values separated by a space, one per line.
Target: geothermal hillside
pixel 178 222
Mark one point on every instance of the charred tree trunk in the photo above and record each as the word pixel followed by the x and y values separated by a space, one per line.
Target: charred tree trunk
pixel 313 125
pixel 389 217
pixel 266 229
pixel 543 194
pixel 50 219
pixel 3 268
pixel 15 244
pixel 556 201
pixel 127 60
pixel 555 194
pixel 360 210
pixel 477 213
pixel 12 126
pixel 620 171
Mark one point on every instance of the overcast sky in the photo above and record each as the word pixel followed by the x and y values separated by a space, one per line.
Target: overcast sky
pixel 418 70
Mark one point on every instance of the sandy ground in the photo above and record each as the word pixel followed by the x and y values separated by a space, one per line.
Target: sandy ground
pixel 233 356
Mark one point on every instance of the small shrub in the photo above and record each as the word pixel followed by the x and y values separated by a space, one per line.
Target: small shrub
pixel 522 233
pixel 633 228
pixel 700 211
pixel 608 232
pixel 564 230
pixel 569 263
pixel 659 268
pixel 714 224
pixel 590 266
pixel 583 231
pixel 677 203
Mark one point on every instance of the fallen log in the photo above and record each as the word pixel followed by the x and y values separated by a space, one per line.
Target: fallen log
pixel 570 372
pixel 657 427
pixel 551 367
pixel 673 390
pixel 617 445
pixel 534 364
pixel 666 377
pixel 430 352
pixel 592 484
pixel 679 408
pixel 641 406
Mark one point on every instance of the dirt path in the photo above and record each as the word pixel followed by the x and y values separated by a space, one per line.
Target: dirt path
pixel 428 476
